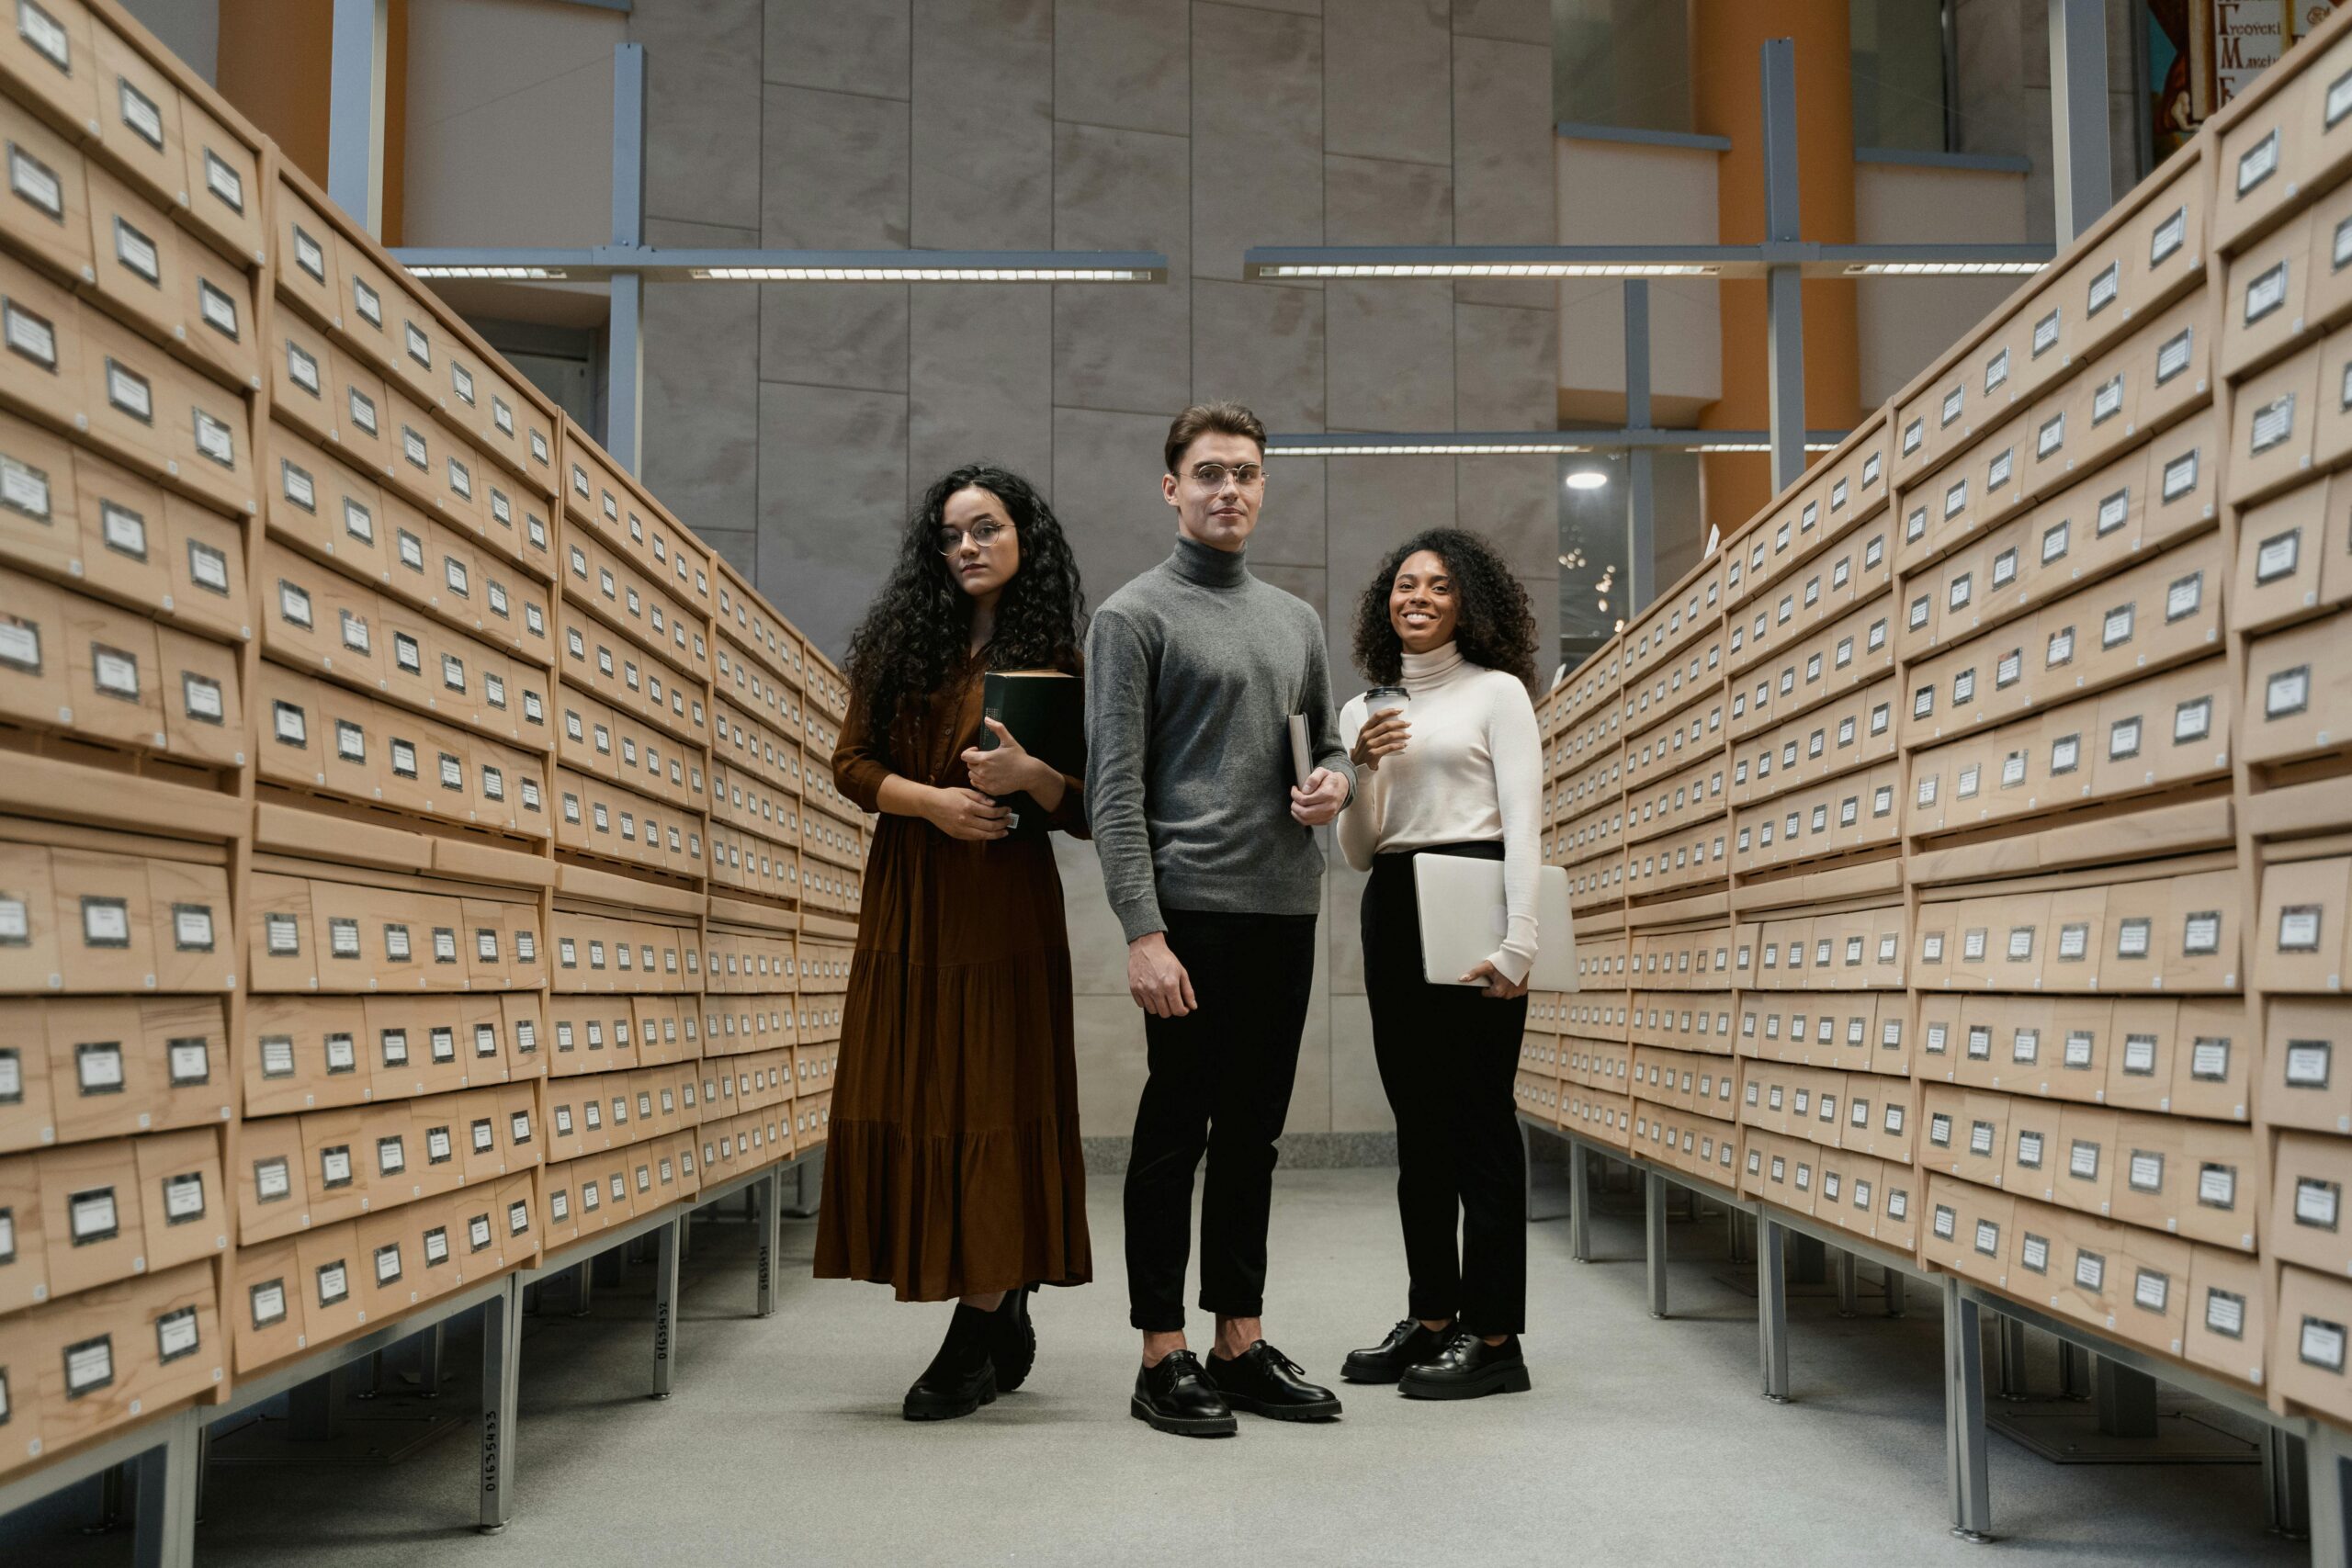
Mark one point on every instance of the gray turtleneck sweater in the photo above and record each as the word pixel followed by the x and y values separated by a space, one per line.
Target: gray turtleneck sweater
pixel 1192 671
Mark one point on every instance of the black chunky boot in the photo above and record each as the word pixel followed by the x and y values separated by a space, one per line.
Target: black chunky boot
pixel 1012 1339
pixel 961 1378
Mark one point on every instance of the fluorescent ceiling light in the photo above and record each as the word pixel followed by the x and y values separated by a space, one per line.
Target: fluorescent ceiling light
pixel 1482 269
pixel 911 274
pixel 1588 478
pixel 1944 269
pixel 1756 446
pixel 1424 449
pixel 520 274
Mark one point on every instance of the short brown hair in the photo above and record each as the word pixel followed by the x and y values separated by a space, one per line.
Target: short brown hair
pixel 1202 419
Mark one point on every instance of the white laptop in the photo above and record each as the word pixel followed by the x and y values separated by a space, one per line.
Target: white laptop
pixel 1463 919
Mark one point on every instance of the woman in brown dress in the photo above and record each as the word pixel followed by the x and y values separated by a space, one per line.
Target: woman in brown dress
pixel 955 1172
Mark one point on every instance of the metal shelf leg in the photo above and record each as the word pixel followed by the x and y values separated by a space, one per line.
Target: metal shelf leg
pixel 501 1386
pixel 583 1289
pixel 2073 1371
pixel 1654 1241
pixel 1850 1284
pixel 2286 1484
pixel 1964 1449
pixel 1739 1224
pixel 1772 1306
pixel 166 1532
pixel 2009 1342
pixel 2329 1497
pixel 1894 1284
pixel 771 1210
pixel 665 1305
pixel 1579 1204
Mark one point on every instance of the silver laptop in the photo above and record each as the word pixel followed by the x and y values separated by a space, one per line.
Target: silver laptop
pixel 1463 919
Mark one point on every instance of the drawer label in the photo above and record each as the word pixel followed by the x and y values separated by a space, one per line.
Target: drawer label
pixel 92 1216
pixel 2045 335
pixel 2082 1159
pixel 2287 692
pixel 184 1197
pixel 36 182
pixel 2169 236
pixel 2107 401
pixel 2264 292
pixel 2299 926
pixel 2308 1062
pixel 217 309
pixel 2278 555
pixel 2274 421
pixel 2150 1290
pixel 89 1366
pixel 130 392
pixel 2258 163
pixel 2192 720
pixel 2090 1270
pixel 2104 286
pixel 2217 1186
pixel 2321 1344
pixel 2224 1312
pixel 29 334
pixel 2180 473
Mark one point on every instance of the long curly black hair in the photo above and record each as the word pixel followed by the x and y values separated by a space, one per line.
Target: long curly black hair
pixel 1497 624
pixel 919 625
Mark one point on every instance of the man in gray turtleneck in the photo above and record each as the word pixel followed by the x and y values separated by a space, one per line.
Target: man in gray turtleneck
pixel 1209 856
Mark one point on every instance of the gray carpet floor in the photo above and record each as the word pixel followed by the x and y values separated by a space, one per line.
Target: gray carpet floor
pixel 1644 1442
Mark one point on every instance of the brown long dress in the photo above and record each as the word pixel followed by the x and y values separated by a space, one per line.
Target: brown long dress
pixel 955 1167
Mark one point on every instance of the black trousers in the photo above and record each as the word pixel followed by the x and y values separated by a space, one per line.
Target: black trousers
pixel 1448 1056
pixel 1220 1086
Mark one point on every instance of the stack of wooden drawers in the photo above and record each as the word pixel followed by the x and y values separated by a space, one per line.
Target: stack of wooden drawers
pixel 131 256
pixel 2040 787
pixel 417 851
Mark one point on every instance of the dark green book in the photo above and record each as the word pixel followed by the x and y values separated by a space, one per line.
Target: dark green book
pixel 1046 710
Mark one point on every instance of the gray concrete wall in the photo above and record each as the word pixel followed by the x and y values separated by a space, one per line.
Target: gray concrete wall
pixel 791 425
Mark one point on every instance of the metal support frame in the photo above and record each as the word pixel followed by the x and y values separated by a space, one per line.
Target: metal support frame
pixel 2127 1400
pixel 167 1455
pixel 2078 109
pixel 1579 1203
pixel 1847 1271
pixel 770 1195
pixel 1785 331
pixel 2008 1343
pixel 355 96
pixel 2286 1485
pixel 665 1302
pixel 1773 1304
pixel 1965 1439
pixel 1641 477
pixel 1654 1231
pixel 625 333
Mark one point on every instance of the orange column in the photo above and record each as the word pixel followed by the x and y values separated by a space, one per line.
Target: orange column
pixel 1727 79
pixel 274 61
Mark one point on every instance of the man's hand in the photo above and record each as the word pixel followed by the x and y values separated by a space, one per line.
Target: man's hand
pixel 1008 770
pixel 1320 799
pixel 967 814
pixel 1496 983
pixel 1156 977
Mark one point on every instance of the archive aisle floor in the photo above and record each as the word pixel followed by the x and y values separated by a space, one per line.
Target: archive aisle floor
pixel 1644 1442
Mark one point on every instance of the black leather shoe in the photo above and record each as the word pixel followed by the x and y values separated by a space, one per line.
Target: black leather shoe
pixel 1467 1368
pixel 1408 1344
pixel 1174 1397
pixel 960 1377
pixel 1013 1340
pixel 1265 1381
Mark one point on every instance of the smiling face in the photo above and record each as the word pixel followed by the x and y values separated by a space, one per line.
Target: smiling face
pixel 1222 516
pixel 981 547
pixel 1421 604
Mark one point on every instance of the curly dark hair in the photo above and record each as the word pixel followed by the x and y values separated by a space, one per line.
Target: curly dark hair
pixel 1497 624
pixel 919 625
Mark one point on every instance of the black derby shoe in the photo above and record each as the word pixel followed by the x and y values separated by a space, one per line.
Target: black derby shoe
pixel 1467 1368
pixel 1265 1381
pixel 1013 1340
pixel 1174 1397
pixel 1408 1344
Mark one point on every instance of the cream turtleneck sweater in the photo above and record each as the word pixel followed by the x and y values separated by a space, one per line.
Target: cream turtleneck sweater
pixel 1472 771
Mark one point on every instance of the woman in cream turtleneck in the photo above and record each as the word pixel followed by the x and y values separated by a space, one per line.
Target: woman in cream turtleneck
pixel 1457 771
